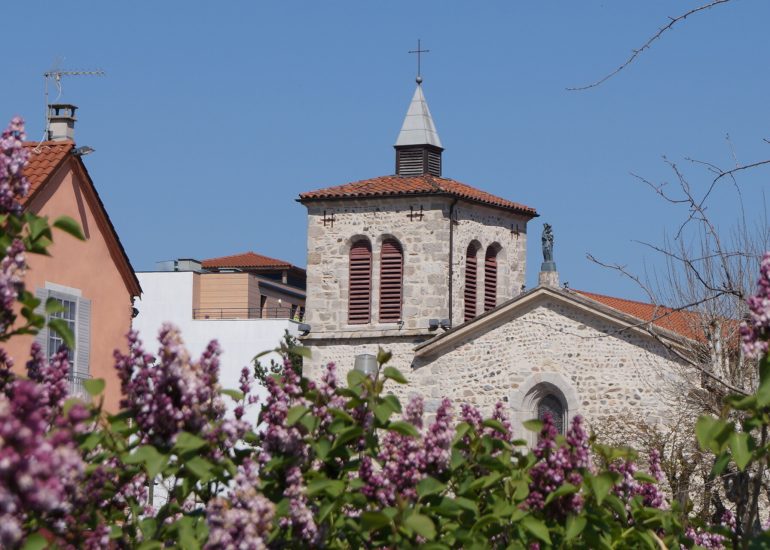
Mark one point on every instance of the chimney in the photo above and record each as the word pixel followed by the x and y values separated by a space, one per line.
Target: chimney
pixel 61 121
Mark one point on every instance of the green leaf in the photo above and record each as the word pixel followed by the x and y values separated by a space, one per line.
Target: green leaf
pixel 720 464
pixel 302 351
pixel 200 467
pixel 495 425
pixel 94 386
pixel 422 525
pixel 404 428
pixel 430 486
pixel 394 374
pixel 235 394
pixel 52 305
pixel 186 441
pixel 383 356
pixel 740 445
pixel 148 455
pixel 68 225
pixel 537 528
pixel 533 425
pixel 575 526
pixel 332 487
pixel 295 413
pixel 35 541
pixel 712 433
pixel 372 521
pixel 61 328
pixel 566 489
pixel 642 476
pixel 601 485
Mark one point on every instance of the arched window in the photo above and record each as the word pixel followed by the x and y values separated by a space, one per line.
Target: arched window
pixel 360 298
pixel 471 276
pixel 550 404
pixel 490 278
pixel 391 281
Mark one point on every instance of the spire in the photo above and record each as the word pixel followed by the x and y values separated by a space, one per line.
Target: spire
pixel 418 127
pixel 418 147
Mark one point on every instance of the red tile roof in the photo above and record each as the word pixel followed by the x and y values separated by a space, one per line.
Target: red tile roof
pixel 414 185
pixel 683 322
pixel 44 158
pixel 247 259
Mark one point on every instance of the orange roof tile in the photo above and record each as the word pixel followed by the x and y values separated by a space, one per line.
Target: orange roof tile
pixel 426 184
pixel 44 158
pixel 247 259
pixel 683 322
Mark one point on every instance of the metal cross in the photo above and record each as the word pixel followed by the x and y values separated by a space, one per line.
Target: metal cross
pixel 418 51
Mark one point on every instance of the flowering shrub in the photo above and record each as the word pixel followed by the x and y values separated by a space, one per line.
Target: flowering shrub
pixel 329 464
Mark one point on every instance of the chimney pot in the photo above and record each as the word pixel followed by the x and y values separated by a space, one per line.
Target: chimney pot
pixel 61 121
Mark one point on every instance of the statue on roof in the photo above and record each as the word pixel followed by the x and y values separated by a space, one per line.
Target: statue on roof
pixel 547 242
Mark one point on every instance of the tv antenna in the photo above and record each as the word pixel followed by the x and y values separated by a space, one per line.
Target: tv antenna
pixel 55 74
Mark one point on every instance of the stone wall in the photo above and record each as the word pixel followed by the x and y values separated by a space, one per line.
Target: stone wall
pixel 600 371
pixel 488 227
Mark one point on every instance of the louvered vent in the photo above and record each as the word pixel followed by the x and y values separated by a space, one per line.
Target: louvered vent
pixel 409 162
pixel 359 303
pixel 470 283
pixel 490 279
pixel 391 281
pixel 434 163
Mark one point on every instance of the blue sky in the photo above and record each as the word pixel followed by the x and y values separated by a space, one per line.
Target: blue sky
pixel 214 116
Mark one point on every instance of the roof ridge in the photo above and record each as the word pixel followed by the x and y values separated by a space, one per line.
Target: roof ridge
pixel 631 301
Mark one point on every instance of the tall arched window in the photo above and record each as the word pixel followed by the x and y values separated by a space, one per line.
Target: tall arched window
pixel 391 281
pixel 551 404
pixel 471 276
pixel 360 296
pixel 490 278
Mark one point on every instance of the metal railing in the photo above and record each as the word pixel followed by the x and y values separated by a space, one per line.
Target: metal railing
pixel 216 313
pixel 77 389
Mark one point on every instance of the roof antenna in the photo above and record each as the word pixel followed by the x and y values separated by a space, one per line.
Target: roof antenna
pixel 55 74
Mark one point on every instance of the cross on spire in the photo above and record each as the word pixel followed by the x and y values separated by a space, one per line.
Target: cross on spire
pixel 419 53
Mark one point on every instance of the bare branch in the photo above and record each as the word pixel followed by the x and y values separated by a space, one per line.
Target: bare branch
pixel 637 52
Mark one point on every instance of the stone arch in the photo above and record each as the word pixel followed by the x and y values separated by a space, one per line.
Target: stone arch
pixel 526 398
pixel 493 260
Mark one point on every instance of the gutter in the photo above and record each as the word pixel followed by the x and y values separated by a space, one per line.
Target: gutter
pixel 451 255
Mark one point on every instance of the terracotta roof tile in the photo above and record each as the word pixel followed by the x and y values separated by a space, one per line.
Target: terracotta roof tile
pixel 44 158
pixel 683 322
pixel 246 259
pixel 414 185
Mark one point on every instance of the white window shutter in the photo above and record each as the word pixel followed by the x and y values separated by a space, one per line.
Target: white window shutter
pixel 83 337
pixel 42 336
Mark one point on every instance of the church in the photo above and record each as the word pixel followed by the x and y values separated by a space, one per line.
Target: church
pixel 433 270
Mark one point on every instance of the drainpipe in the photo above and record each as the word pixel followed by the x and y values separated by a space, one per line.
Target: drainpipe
pixel 451 255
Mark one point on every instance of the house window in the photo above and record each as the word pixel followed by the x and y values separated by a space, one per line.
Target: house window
pixel 471 276
pixel 552 405
pixel 69 314
pixel 391 281
pixel 360 285
pixel 490 278
pixel 76 313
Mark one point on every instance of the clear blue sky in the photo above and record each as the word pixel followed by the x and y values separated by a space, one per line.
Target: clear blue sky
pixel 214 116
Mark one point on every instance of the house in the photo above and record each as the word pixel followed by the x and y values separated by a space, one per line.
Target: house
pixel 433 270
pixel 93 279
pixel 247 302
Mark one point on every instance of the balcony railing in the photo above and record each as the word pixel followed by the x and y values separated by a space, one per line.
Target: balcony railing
pixel 77 389
pixel 215 313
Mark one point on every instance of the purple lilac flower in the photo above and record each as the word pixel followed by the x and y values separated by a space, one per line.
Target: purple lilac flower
pixel 327 391
pixel 284 392
pixel 13 267
pixel 438 440
pixel 755 332
pixel 415 410
pixel 51 376
pixel 13 159
pixel 499 413
pixel 630 487
pixel 7 376
pixel 173 393
pixel 704 539
pixel 558 464
pixel 39 471
pixel 301 518
pixel 244 518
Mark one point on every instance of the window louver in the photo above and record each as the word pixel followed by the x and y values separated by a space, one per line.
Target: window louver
pixel 410 162
pixel 490 279
pixel 359 302
pixel 470 283
pixel 391 281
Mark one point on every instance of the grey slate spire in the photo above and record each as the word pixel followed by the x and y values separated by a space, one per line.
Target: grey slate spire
pixel 418 147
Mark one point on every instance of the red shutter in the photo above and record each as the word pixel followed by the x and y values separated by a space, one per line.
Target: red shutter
pixel 470 283
pixel 391 281
pixel 490 280
pixel 359 303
